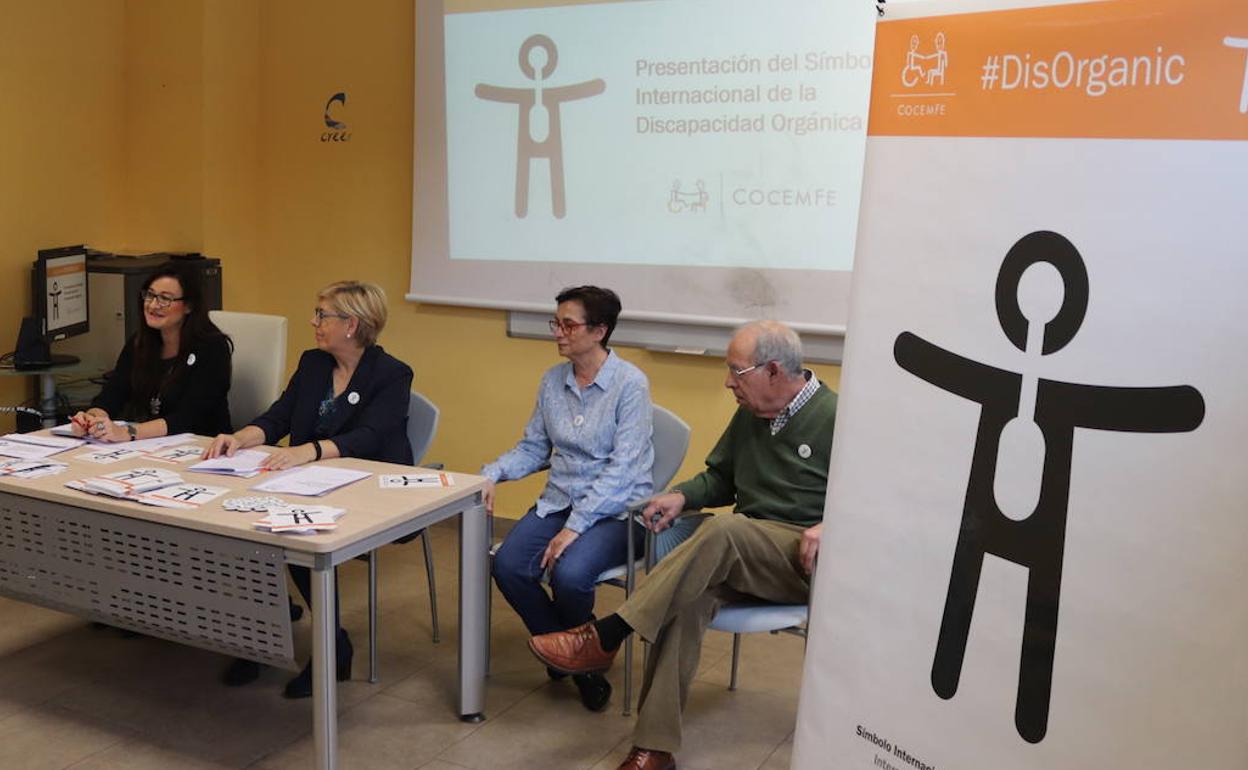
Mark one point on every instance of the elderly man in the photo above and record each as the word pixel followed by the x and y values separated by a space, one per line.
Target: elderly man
pixel 772 464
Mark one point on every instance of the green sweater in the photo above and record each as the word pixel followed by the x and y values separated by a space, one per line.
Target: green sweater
pixel 765 475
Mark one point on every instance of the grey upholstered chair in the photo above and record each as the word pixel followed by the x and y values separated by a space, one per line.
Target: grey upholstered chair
pixel 422 426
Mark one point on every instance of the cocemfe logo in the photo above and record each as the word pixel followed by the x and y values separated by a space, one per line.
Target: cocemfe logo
pixel 337 129
pixel 925 68
pixel 691 201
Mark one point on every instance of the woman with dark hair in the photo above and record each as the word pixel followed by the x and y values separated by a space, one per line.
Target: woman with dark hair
pixel 591 426
pixel 173 375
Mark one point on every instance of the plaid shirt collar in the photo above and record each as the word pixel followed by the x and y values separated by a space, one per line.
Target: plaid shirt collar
pixel 808 390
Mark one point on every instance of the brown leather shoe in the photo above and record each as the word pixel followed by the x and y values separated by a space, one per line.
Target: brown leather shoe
pixel 575 651
pixel 645 759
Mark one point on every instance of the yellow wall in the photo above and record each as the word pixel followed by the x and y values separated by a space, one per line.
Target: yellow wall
pixel 223 153
pixel 192 139
pixel 62 108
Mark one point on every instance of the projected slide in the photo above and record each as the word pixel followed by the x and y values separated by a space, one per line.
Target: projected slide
pixel 628 133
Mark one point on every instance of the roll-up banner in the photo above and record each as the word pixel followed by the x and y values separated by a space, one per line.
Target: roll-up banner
pixel 1036 541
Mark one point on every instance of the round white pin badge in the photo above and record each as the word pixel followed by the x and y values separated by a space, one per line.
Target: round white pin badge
pixel 803 451
pixel 190 360
pixel 353 398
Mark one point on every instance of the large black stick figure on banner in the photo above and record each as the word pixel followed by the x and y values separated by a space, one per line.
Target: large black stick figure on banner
pixel 1029 530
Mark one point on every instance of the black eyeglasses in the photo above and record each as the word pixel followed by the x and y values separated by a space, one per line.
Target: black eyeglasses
pixel 161 301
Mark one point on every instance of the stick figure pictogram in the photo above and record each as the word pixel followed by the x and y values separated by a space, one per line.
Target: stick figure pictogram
pixel 529 146
pixel 1033 537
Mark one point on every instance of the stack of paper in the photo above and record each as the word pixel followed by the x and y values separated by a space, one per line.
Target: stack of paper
pixel 245 463
pixel 143 444
pixel 27 446
pixel 160 442
pixel 310 480
pixel 131 483
pixel 180 495
pixel 30 469
pixel 115 454
pixel 151 486
pixel 300 519
pixel 177 454
pixel 416 480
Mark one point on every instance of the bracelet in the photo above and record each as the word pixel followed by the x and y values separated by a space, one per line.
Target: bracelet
pixel 316 445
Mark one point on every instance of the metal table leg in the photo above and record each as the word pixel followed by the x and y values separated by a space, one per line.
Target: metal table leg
pixel 47 399
pixel 474 627
pixel 372 616
pixel 324 668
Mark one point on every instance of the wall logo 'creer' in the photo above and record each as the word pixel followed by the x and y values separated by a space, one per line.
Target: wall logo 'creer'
pixel 1029 530
pixel 550 98
pixel 337 129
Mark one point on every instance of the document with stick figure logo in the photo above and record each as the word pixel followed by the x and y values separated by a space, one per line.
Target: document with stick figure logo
pixel 1035 532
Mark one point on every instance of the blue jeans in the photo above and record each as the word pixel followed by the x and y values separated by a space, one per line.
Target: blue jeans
pixel 518 572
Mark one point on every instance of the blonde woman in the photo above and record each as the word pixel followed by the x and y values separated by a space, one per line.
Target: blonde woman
pixel 347 398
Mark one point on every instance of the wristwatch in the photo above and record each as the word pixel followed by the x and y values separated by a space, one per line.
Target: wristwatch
pixel 133 431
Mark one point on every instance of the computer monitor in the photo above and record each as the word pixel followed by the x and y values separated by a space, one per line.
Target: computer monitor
pixel 60 305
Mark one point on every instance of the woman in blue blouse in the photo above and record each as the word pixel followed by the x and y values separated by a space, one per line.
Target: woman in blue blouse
pixel 347 398
pixel 591 426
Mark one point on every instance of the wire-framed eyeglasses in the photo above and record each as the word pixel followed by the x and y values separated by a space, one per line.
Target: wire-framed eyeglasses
pixel 319 315
pixel 739 373
pixel 567 327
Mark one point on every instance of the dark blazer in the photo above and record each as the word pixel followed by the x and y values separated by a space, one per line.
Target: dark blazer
pixel 195 401
pixel 372 428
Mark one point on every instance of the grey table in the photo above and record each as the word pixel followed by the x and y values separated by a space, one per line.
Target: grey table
pixel 207 578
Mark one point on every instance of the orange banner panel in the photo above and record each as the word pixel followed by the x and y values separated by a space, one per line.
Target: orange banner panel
pixel 67 269
pixel 1132 69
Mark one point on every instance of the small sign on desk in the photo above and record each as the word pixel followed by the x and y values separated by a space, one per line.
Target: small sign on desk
pixel 404 480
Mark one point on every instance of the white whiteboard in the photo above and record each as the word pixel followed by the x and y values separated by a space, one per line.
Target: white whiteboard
pixel 708 179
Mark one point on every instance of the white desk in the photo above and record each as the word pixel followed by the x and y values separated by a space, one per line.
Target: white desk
pixel 206 577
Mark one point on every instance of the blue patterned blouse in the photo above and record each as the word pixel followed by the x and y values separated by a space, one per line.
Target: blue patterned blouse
pixel 596 441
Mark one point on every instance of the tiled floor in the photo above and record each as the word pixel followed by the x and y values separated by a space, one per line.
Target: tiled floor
pixel 76 697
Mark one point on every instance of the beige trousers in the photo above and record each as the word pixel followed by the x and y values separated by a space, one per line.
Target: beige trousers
pixel 728 557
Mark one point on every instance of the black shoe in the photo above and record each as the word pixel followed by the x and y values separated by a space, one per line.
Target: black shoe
pixel 301 686
pixel 241 672
pixel 595 690
pixel 555 674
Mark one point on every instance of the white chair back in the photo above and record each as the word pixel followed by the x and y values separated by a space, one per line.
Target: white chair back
pixel 259 363
pixel 422 425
